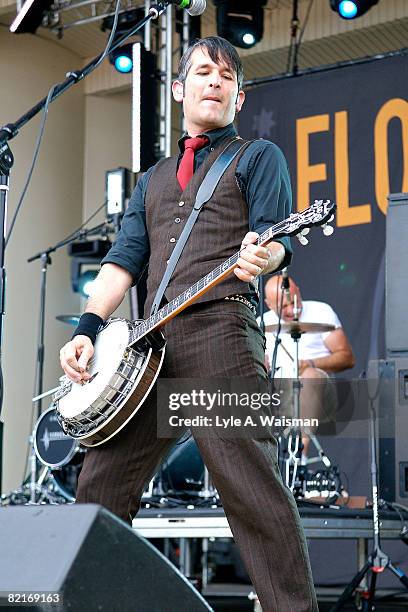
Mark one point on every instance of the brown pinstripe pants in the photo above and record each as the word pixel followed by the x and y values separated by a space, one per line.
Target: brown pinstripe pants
pixel 215 339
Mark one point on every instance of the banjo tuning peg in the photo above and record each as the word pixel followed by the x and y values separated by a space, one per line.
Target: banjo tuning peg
pixel 327 229
pixel 303 241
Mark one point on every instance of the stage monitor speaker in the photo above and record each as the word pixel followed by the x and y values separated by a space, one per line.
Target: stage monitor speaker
pixel 396 275
pixel 91 559
pixel 390 388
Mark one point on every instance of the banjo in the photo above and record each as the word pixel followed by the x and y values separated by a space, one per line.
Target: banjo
pixel 129 354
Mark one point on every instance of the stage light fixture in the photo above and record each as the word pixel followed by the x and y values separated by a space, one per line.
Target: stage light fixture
pixel 119 185
pixel 86 281
pixel 85 265
pixel 121 59
pixel 351 9
pixel 240 22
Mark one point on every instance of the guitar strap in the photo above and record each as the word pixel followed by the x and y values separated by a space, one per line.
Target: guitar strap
pixel 205 192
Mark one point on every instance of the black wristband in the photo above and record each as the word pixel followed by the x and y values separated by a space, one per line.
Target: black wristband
pixel 88 325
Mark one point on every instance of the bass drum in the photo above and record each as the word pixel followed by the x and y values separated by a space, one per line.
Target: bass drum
pixel 61 453
pixel 182 472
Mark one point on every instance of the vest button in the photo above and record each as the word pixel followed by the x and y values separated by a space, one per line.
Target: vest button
pixel 181 203
pixel 177 220
pixel 172 240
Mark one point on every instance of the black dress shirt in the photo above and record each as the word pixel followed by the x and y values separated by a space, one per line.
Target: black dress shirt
pixel 262 176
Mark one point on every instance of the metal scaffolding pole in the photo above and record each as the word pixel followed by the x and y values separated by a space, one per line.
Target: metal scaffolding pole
pixel 148 28
pixel 165 58
pixel 169 77
pixel 185 32
pixel 185 36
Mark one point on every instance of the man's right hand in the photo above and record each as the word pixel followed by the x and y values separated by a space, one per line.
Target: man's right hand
pixel 74 358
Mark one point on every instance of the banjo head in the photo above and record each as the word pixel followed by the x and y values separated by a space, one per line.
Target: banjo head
pixel 110 346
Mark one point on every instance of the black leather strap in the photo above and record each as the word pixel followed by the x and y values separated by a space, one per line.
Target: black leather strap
pixel 205 192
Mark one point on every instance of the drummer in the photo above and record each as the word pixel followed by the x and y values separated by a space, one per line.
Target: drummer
pixel 320 354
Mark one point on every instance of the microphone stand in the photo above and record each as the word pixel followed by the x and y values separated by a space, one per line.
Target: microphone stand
pixel 378 560
pixel 44 257
pixel 9 131
pixel 295 445
pixel 278 341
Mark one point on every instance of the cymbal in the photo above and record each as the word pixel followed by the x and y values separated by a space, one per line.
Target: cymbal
pixel 71 319
pixel 300 327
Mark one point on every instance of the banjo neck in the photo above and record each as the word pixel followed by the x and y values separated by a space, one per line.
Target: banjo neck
pixel 316 214
pixel 193 293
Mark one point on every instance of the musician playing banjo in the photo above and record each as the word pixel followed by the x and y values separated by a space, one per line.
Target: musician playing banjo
pixel 218 336
pixel 321 354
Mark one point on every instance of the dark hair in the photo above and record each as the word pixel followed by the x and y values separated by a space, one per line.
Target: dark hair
pixel 218 49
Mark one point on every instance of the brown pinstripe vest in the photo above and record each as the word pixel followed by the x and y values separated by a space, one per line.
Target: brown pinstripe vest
pixel 216 235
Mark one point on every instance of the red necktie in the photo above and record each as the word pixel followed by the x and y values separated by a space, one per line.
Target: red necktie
pixel 186 167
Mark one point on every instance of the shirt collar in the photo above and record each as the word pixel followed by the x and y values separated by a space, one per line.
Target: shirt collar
pixel 215 136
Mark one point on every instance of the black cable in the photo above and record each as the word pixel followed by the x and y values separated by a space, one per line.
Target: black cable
pixel 302 31
pixel 111 37
pixel 84 223
pixel 30 172
pixel 396 509
pixel 401 506
pixel 295 44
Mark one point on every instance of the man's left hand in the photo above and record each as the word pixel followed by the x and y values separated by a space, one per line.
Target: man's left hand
pixel 255 260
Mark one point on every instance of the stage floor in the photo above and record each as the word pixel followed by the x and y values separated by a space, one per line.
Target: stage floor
pixel 191 524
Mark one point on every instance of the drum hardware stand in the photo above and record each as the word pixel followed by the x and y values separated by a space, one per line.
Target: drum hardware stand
pixel 295 445
pixel 209 491
pixel 378 560
pixel 36 490
pixel 149 493
pixel 254 597
pixel 322 457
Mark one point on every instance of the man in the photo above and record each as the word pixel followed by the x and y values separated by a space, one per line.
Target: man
pixel 320 354
pixel 216 337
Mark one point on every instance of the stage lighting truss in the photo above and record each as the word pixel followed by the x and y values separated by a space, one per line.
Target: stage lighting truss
pixel 351 9
pixel 61 15
pixel 241 22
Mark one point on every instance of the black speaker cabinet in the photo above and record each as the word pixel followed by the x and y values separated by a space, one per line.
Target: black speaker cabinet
pixel 390 379
pixel 396 275
pixel 90 558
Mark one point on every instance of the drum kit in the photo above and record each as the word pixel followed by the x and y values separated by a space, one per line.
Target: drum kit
pixel 305 484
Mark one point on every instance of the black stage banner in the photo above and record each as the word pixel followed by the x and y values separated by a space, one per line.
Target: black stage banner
pixel 344 132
